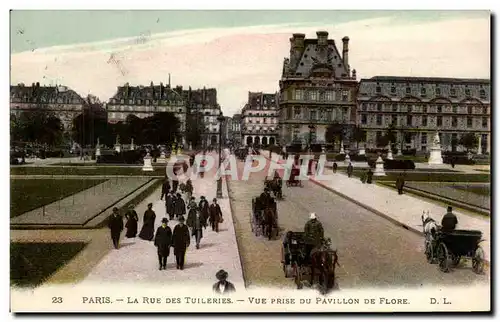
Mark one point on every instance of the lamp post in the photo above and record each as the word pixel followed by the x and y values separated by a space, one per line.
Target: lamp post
pixel 220 118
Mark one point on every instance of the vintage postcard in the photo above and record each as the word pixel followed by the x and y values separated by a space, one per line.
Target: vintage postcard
pixel 250 161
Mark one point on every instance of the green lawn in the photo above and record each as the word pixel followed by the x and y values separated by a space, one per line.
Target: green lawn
pixel 32 263
pixel 431 176
pixel 88 171
pixel 29 194
pixel 480 190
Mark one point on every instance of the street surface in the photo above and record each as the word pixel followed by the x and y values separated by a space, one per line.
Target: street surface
pixel 373 252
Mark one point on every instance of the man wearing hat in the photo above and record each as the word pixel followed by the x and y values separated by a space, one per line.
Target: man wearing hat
pixel 195 222
pixel 163 240
pixel 313 233
pixel 204 209
pixel 115 224
pixel 180 241
pixel 223 286
pixel 169 204
pixel 215 215
pixel 179 206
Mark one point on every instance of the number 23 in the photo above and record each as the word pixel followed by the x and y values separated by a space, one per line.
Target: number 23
pixel 57 300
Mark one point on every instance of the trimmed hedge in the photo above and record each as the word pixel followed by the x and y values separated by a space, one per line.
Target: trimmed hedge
pixel 354 157
pixel 88 171
pixel 430 176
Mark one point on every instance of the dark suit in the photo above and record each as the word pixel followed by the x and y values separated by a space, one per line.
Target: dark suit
pixel 228 289
pixel 180 241
pixel 449 222
pixel 195 222
pixel 163 240
pixel 169 205
pixel 115 224
pixel 165 188
pixel 215 216
pixel 204 208
pixel 179 207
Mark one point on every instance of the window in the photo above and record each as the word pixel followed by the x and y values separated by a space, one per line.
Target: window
pixel 440 109
pixel 439 121
pixel 378 89
pixel 482 93
pixel 379 119
pixel 469 122
pixel 299 94
pixel 313 115
pixel 313 95
pixel 122 101
pixel 363 118
pixel 485 110
pixel 264 120
pixel 296 113
pixel 424 120
pixel 147 102
pixel 454 109
pixel 409 108
pixel 139 102
pixel 469 109
pixel 467 92
pixel 330 96
pixel 394 107
pixel 425 109
pixel 485 122
pixel 409 120
pixel 453 92
pixel 345 96
pixel 394 120
pixel 454 121
pixel 438 91
pixel 379 107
pixel 364 107
pixel 422 91
pixel 424 138
pixel 408 90
pixel 393 89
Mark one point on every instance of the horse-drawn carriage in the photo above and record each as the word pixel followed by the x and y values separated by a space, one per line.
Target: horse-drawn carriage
pixel 264 218
pixel 319 265
pixel 449 247
pixel 274 185
pixel 293 181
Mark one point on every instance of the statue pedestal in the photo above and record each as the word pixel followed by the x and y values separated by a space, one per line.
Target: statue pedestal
pixel 399 151
pixel 98 152
pixel 162 158
pixel 347 159
pixel 379 168
pixel 362 151
pixel 389 155
pixel 342 148
pixel 435 157
pixel 132 147
pixel 147 163
pixel 118 148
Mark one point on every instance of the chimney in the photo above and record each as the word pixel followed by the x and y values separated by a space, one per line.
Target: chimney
pixel 38 84
pixel 296 49
pixel 353 74
pixel 162 90
pixel 322 38
pixel 345 51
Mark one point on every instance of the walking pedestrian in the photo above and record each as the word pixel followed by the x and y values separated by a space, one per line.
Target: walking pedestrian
pixel 163 241
pixel 148 225
pixel 215 215
pixel 165 188
pixel 115 224
pixel 400 183
pixel 369 176
pixel 169 204
pixel 131 225
pixel 349 170
pixel 334 167
pixel 195 222
pixel 223 286
pixel 189 190
pixel 204 209
pixel 179 206
pixel 180 242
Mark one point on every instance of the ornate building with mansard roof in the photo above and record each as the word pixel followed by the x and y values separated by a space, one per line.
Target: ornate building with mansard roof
pixel 420 106
pixel 64 102
pixel 317 88
pixel 259 119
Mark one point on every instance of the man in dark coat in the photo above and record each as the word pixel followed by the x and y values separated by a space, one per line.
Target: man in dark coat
pixel 204 209
pixel 215 215
pixel 189 189
pixel 334 167
pixel 115 224
pixel 169 204
pixel 180 241
pixel 449 221
pixel 131 225
pixel 400 183
pixel 179 206
pixel 165 188
pixel 148 224
pixel 369 176
pixel 313 233
pixel 163 241
pixel 195 222
pixel 223 286
pixel 349 169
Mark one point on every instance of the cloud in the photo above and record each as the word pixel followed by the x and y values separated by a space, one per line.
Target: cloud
pixel 238 60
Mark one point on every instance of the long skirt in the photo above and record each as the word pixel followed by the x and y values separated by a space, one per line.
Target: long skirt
pixel 147 231
pixel 131 228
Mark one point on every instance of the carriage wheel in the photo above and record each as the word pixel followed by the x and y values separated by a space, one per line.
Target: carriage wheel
pixel 443 258
pixel 478 261
pixel 429 252
pixel 455 260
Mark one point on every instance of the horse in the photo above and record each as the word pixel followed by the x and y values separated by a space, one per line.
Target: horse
pixel 430 228
pixel 324 261
pixel 269 222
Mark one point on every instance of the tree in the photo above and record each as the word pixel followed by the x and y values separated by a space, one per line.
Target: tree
pixel 15 129
pixel 39 126
pixel 391 133
pixel 91 123
pixel 161 128
pixel 358 135
pixel 334 131
pixel 195 126
pixel 468 141
pixel 382 141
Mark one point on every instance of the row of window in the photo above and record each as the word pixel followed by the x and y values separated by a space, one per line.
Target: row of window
pixel 50 101
pixel 424 137
pixel 438 91
pixel 313 95
pixel 425 108
pixel 145 109
pixel 424 120
pixel 145 102
pixel 255 128
pixel 264 120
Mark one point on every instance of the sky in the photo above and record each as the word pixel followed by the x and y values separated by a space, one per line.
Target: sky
pixel 93 52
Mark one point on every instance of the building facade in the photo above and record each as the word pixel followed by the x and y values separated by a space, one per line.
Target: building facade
pixel 259 119
pixel 227 136
pixel 204 102
pixel 236 129
pixel 418 107
pixel 65 103
pixel 317 88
